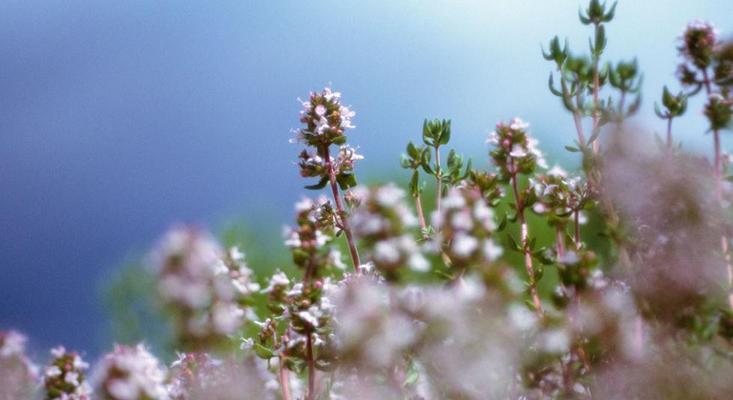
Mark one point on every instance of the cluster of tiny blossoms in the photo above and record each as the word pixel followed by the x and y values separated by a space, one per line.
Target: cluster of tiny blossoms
pixel 466 225
pixel 385 225
pixel 65 378
pixel 205 286
pixel 130 373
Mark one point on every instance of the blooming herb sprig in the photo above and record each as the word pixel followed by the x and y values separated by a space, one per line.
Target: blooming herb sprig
pixel 65 377
pixel 325 122
pixel 706 64
pixel 561 199
pixel 515 153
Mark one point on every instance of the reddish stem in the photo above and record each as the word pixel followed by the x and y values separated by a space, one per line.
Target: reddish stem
pixel 284 380
pixel 311 368
pixel 341 211
pixel 525 245
pixel 576 222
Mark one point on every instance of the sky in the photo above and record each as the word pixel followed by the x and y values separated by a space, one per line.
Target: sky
pixel 118 119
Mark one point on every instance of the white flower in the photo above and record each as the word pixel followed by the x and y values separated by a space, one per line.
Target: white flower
pixel 463 245
pixel 72 378
pixel 557 171
pixel 492 251
pixel 52 371
pixel 320 110
pixel 389 195
pixel 418 263
pixel 521 318
pixel 517 124
pixel 386 252
pixel 518 151
pixel 247 343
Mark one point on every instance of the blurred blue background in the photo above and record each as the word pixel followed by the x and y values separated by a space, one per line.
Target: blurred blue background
pixel 118 119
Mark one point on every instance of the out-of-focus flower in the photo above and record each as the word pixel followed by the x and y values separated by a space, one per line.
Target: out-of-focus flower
pixel 18 374
pixel 130 373
pixel 698 43
pixel 205 286
pixel 200 376
pixel 466 225
pixel 381 219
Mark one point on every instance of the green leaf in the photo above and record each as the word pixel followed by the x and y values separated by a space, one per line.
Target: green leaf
pixel 346 181
pixel 320 185
pixel 445 134
pixel 572 149
pixel 412 151
pixel 415 184
pixel 263 352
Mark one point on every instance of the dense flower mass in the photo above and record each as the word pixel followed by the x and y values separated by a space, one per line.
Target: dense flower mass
pixel 130 373
pixel 382 220
pixel 205 286
pixel 19 374
pixel 484 283
pixel 466 225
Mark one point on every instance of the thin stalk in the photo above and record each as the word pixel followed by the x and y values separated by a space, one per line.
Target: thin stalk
pixel 284 380
pixel 621 106
pixel 525 243
pixel 438 179
pixel 669 132
pixel 596 101
pixel 577 118
pixel 341 211
pixel 576 223
pixel 311 368
pixel 421 215
pixel 719 193
pixel 559 241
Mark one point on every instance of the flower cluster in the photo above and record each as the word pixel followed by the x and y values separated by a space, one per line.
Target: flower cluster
pixel 559 197
pixel 130 373
pixel 515 152
pixel 381 219
pixel 199 375
pixel 698 43
pixel 466 225
pixel 19 374
pixel 203 285
pixel 298 333
pixel 64 378
pixel 317 224
pixel 325 119
pixel 325 122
